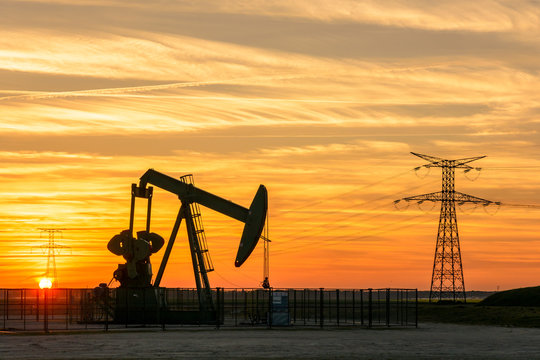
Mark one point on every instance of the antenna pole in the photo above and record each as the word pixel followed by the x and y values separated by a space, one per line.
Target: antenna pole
pixel 266 263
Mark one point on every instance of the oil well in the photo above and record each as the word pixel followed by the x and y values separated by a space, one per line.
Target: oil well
pixel 136 290
pixel 140 300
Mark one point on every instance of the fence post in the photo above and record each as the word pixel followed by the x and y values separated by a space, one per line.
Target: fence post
pixel 337 306
pixel 379 306
pixel 388 307
pixel 162 307
pixel 353 309
pixel 52 295
pixel 294 317
pixel 245 305
pixel 144 305
pixel 257 315
pixel 416 312
pixel 407 307
pixel 24 309
pixel 107 308
pixel 270 308
pixel 37 305
pixel 67 307
pixel 46 311
pixel 21 302
pixel 218 308
pixel 362 307
pixel 126 295
pixel 235 307
pixel 321 305
pixel 399 306
pixel 222 311
pixel 370 307
pixel 4 312
pixel 70 306
pixel 83 307
pixel 304 305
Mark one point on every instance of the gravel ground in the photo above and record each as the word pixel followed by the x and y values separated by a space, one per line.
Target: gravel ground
pixel 429 341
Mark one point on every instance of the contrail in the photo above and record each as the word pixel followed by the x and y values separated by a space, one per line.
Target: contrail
pixel 230 98
pixel 123 90
pixel 97 92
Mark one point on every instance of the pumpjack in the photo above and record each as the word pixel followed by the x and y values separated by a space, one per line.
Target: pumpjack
pixel 136 290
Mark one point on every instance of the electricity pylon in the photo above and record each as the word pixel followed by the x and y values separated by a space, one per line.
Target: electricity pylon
pixel 447 278
pixel 51 247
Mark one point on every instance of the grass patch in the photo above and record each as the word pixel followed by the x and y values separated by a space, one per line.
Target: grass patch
pixel 478 314
pixel 529 296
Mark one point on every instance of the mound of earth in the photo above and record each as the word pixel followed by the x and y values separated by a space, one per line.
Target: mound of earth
pixel 529 296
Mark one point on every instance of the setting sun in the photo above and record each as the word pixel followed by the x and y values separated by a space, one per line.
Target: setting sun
pixel 45 283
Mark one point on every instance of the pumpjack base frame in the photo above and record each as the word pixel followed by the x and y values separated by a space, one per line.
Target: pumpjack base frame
pixel 142 306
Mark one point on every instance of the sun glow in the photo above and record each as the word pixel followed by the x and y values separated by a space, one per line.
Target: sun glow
pixel 45 283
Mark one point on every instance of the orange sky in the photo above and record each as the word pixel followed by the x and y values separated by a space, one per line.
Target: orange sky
pixel 321 101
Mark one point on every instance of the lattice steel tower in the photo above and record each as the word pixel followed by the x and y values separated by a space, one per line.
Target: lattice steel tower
pixel 447 278
pixel 52 248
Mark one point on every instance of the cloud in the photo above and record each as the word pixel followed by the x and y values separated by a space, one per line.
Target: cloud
pixel 484 15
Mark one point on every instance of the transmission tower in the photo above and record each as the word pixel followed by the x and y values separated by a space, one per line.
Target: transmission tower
pixel 447 277
pixel 52 248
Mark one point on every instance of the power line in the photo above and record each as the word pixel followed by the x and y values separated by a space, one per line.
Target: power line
pixel 529 206
pixel 317 202
pixel 352 238
pixel 336 223
pixel 513 167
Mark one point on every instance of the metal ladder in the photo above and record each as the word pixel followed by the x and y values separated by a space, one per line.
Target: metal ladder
pixel 199 228
pixel 199 252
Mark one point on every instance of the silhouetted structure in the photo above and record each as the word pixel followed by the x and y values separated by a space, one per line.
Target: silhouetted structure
pixel 266 263
pixel 135 275
pixel 51 248
pixel 447 279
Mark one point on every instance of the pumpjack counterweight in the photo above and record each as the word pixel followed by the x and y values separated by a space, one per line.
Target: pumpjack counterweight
pixel 447 282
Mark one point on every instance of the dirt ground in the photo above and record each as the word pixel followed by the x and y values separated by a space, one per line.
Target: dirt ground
pixel 430 340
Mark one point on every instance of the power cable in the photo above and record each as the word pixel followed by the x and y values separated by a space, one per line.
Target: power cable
pixel 226 280
pixel 527 206
pixel 337 223
pixel 317 202
pixel 348 238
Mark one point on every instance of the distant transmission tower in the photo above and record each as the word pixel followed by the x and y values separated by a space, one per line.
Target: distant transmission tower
pixel 447 278
pixel 52 248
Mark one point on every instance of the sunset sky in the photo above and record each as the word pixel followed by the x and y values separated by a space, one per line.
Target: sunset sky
pixel 320 101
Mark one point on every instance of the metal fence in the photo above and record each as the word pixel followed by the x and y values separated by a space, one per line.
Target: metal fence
pixel 103 308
